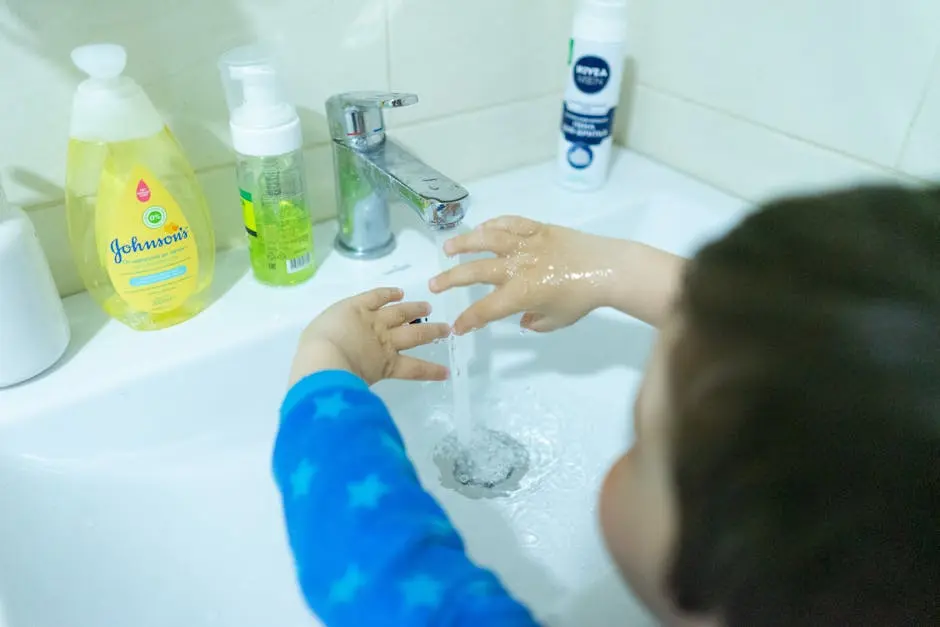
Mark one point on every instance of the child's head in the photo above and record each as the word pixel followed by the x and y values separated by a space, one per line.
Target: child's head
pixel 786 469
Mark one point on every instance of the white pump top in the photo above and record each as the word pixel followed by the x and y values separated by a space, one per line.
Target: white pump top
pixel 109 107
pixel 263 123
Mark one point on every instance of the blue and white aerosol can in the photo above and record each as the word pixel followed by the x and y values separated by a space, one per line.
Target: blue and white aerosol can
pixel 596 59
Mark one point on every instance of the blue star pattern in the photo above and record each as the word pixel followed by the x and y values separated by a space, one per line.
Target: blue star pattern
pixel 483 588
pixel 345 589
pixel 440 528
pixel 422 591
pixel 367 493
pixel 393 447
pixel 330 406
pixel 301 479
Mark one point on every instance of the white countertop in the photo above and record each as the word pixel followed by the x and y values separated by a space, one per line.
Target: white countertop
pixel 104 353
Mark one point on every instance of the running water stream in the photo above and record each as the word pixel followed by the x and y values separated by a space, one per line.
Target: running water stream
pixel 481 461
pixel 455 302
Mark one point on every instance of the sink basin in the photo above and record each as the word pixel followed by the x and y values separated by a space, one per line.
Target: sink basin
pixel 567 402
pixel 134 479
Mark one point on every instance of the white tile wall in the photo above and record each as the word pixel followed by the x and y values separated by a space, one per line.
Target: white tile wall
pixel 489 74
pixel 921 156
pixel 489 140
pixel 757 97
pixel 461 56
pixel 762 97
pixel 754 161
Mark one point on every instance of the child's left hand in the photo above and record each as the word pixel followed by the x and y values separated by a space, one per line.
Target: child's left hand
pixel 364 335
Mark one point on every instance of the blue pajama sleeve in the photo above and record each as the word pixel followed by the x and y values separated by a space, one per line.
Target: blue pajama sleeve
pixel 371 547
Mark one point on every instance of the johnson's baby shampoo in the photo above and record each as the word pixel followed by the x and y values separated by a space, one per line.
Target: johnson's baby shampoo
pixel 139 226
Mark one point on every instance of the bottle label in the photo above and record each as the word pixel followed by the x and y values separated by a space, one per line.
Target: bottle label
pixel 151 253
pixel 591 98
pixel 287 235
pixel 585 129
pixel 298 264
pixel 248 213
pixel 284 226
pixel 591 74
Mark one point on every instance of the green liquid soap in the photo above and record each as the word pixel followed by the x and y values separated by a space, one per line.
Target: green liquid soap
pixel 267 138
pixel 277 220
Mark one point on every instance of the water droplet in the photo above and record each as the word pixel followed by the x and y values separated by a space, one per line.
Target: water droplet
pixel 527 538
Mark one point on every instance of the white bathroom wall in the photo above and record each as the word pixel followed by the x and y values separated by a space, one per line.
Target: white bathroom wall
pixel 489 74
pixel 762 97
pixel 757 97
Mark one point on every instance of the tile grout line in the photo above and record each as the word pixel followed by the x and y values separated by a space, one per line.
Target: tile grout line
pixel 782 133
pixel 472 110
pixel 934 71
pixel 691 175
pixel 388 44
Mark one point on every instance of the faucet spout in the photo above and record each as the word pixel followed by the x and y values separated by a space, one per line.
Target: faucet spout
pixel 438 200
pixel 373 172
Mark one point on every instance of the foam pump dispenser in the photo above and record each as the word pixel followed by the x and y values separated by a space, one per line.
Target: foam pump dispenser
pixel 268 142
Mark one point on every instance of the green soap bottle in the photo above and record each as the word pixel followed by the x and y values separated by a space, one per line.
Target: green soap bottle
pixel 268 141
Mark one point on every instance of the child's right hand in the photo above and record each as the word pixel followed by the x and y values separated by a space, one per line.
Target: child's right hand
pixel 554 274
pixel 364 335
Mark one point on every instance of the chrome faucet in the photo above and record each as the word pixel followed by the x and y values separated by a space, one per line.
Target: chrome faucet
pixel 373 171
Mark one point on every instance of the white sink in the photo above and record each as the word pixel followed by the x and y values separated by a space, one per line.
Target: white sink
pixel 135 487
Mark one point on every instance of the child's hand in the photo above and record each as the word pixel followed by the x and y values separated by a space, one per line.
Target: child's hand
pixel 364 336
pixel 554 274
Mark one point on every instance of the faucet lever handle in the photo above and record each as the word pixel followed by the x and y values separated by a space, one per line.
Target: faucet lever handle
pixel 357 116
pixel 380 100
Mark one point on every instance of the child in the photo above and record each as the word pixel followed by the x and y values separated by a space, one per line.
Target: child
pixel 787 463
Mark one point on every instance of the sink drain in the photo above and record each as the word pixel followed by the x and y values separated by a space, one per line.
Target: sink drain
pixel 492 465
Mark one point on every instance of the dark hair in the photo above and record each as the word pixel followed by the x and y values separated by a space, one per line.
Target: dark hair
pixel 806 447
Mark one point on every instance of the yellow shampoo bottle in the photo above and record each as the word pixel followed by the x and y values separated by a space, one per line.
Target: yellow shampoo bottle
pixel 138 223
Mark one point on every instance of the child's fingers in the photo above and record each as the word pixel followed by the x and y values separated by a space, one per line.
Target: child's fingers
pixel 397 315
pixel 530 318
pixel 517 225
pixel 537 322
pixel 418 370
pixel 496 306
pixel 378 298
pixel 414 335
pixel 489 271
pixel 483 239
